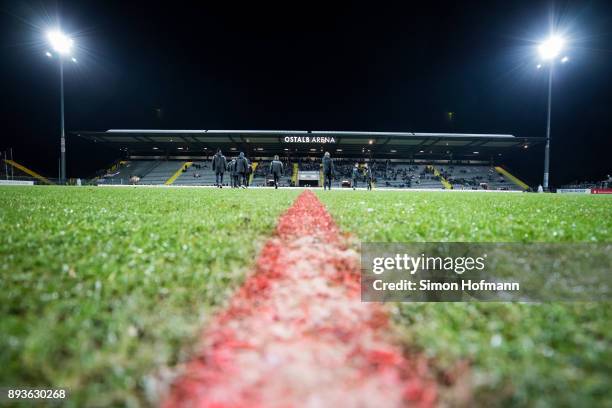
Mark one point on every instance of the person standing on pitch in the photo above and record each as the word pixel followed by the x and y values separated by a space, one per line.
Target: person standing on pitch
pixel 328 170
pixel 231 167
pixel 368 176
pixel 249 172
pixel 355 175
pixel 276 168
pixel 242 165
pixel 219 164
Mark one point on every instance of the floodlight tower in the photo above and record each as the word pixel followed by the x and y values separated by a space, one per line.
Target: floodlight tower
pixel 550 50
pixel 62 45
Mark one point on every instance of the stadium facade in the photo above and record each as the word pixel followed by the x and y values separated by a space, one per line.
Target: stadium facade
pixel 400 159
pixel 387 145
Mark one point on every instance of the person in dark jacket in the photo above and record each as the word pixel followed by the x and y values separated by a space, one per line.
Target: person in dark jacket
pixel 276 169
pixel 328 170
pixel 355 174
pixel 231 167
pixel 368 176
pixel 242 165
pixel 219 164
pixel 236 176
pixel 249 172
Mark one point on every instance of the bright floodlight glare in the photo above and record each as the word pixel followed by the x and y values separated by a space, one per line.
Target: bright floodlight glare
pixel 60 42
pixel 564 59
pixel 48 54
pixel 74 59
pixel 550 48
pixel 539 66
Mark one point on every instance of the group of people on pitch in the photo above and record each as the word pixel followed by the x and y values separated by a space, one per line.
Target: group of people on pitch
pixel 240 170
pixel 356 173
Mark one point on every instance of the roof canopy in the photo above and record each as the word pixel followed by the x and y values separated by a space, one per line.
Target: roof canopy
pixel 301 142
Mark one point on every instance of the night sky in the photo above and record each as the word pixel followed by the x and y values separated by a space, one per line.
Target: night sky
pixel 372 67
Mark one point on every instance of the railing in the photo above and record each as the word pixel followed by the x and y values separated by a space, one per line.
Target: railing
pixel 511 177
pixel 444 181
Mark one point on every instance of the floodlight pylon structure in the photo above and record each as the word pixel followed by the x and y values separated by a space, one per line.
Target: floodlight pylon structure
pixel 549 51
pixel 62 45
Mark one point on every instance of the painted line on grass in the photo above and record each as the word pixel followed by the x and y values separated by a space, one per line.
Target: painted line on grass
pixel 297 334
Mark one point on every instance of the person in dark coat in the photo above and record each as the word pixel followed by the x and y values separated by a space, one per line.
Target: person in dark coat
pixel 276 169
pixel 249 172
pixel 236 175
pixel 328 170
pixel 355 174
pixel 242 167
pixel 231 167
pixel 219 165
pixel 368 176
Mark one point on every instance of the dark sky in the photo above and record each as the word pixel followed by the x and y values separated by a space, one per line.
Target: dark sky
pixel 379 67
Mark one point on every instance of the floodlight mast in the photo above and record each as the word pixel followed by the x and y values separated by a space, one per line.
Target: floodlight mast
pixel 547 147
pixel 62 45
pixel 549 50
pixel 63 130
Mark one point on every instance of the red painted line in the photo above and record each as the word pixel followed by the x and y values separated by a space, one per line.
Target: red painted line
pixel 297 334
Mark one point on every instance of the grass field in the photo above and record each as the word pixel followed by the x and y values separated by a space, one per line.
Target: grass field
pixel 521 354
pixel 102 288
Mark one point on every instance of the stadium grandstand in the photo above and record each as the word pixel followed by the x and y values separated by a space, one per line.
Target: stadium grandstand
pixel 400 160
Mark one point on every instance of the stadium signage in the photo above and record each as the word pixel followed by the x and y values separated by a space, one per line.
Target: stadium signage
pixel 574 190
pixel 585 190
pixel 309 139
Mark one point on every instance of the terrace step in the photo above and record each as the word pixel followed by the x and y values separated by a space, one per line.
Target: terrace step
pixel 511 177
pixel 177 174
pixel 28 171
pixel 294 176
pixel 254 166
pixel 444 181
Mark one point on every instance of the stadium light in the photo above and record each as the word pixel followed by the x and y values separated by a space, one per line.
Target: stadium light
pixel 62 45
pixel 60 42
pixel 549 51
pixel 551 48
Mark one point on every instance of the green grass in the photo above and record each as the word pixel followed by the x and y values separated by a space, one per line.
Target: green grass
pixel 103 288
pixel 556 354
